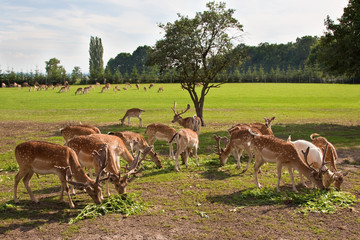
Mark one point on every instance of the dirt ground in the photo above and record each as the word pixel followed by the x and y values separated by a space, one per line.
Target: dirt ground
pixel 226 222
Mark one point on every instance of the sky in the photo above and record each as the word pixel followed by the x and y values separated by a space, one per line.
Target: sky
pixel 34 31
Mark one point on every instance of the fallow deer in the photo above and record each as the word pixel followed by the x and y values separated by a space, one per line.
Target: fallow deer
pixel 331 156
pixel 315 159
pixel 72 131
pixel 48 158
pixel 161 132
pixel 185 139
pixel 133 112
pixel 129 138
pixel 78 91
pixel 193 123
pixel 265 129
pixel 161 89
pixel 274 150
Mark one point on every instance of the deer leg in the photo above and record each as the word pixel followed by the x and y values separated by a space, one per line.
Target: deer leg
pixel 196 156
pixel 171 151
pixel 26 181
pixel 140 121
pixel 248 151
pixel 258 162
pixel 278 168
pixel 129 121
pixel 186 157
pixel 292 179
pixel 64 186
pixel 18 177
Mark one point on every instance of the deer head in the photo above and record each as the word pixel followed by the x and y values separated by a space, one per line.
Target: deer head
pixel 177 116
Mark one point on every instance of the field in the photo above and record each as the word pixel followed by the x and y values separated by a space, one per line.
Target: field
pixel 206 202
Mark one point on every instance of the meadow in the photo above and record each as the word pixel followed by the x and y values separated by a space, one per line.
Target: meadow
pixel 205 202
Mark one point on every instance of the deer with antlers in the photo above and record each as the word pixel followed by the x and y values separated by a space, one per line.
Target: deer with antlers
pixel 315 158
pixel 331 157
pixel 84 145
pixel 133 112
pixel 135 141
pixel 274 150
pixel 193 123
pixel 48 158
pixel 161 132
pixel 185 139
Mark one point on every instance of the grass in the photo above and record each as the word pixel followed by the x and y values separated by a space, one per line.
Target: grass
pixel 290 103
pixel 199 195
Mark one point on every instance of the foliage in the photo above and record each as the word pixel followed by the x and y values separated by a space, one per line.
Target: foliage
pixel 126 204
pixel 308 200
pixel 55 72
pixel 96 62
pixel 338 50
pixel 199 49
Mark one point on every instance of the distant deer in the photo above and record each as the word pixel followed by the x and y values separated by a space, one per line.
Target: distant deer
pixel 133 112
pixel 193 123
pixel 78 91
pixel 161 89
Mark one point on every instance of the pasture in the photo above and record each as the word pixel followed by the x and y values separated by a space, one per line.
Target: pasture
pixel 205 202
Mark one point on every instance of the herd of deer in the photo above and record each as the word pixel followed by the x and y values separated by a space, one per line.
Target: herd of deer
pixel 86 147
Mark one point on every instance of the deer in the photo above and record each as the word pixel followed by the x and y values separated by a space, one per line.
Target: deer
pixel 265 129
pixel 240 140
pixel 105 89
pixel 193 123
pixel 78 91
pixel 316 159
pixel 137 86
pixel 85 145
pixel 70 132
pixel 151 85
pixel 47 158
pixel 185 139
pixel 130 138
pixel 331 156
pixel 161 89
pixel 128 84
pixel 161 132
pixel 133 112
pixel 274 150
pixel 86 90
pixel 62 89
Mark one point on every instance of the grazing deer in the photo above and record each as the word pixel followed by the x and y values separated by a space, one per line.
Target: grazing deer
pixel 125 88
pixel 135 141
pixel 274 150
pixel 315 159
pixel 161 89
pixel 151 85
pixel 240 140
pixel 86 90
pixel 85 145
pixel 70 132
pixel 128 84
pixel 331 157
pixel 137 86
pixel 62 89
pixel 145 89
pixel 265 129
pixel 78 91
pixel 133 112
pixel 105 89
pixel 193 123
pixel 185 139
pixel 48 158
pixel 161 132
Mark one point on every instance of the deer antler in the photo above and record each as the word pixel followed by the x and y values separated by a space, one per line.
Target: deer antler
pixel 306 153
pixel 187 108
pixel 101 159
pixel 323 159
pixel 174 108
pixel 217 139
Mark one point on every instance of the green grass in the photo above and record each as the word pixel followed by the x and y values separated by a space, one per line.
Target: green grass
pixel 290 103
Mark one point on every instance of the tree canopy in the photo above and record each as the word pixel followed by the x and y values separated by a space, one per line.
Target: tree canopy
pixel 96 62
pixel 339 49
pixel 199 49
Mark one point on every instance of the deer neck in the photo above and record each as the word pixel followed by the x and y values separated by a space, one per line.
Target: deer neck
pixel 77 170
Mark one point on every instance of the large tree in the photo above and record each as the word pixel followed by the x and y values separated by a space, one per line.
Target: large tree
pixel 199 49
pixel 55 72
pixel 339 49
pixel 96 62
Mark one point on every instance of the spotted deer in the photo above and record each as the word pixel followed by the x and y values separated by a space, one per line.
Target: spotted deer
pixel 193 123
pixel 133 112
pixel 161 132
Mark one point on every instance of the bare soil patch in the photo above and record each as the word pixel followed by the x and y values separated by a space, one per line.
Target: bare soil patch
pixel 224 220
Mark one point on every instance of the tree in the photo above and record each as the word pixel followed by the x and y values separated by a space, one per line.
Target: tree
pixel 199 49
pixel 76 75
pixel 55 72
pixel 96 62
pixel 339 49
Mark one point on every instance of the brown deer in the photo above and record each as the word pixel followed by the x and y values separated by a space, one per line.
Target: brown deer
pixel 185 139
pixel 78 91
pixel 193 123
pixel 133 112
pixel 135 141
pixel 70 132
pixel 265 129
pixel 48 158
pixel 161 132
pixel 274 150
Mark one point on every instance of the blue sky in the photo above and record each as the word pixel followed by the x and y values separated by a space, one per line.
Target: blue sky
pixel 33 31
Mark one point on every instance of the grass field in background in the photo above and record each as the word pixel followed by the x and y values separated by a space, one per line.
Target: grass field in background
pixel 231 103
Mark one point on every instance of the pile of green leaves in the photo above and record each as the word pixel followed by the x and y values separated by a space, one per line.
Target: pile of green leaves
pixel 309 200
pixel 126 204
